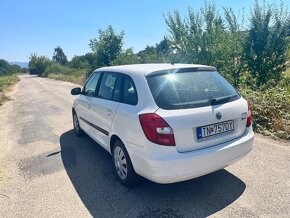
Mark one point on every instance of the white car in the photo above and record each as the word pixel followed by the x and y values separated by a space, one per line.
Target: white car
pixel 165 122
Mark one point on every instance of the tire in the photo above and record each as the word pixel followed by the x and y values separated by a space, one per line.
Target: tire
pixel 123 165
pixel 77 128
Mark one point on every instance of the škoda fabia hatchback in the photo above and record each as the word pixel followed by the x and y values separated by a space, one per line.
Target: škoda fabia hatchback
pixel 165 122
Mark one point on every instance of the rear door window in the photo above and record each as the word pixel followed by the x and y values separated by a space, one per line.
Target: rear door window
pixel 180 90
pixel 107 85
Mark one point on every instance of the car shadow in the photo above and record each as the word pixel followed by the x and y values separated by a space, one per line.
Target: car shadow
pixel 91 172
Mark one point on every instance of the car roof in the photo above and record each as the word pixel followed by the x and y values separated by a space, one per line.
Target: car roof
pixel 146 69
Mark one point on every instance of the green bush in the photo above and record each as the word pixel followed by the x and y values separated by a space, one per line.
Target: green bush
pixel 61 72
pixel 5 67
pixel 38 64
pixel 55 69
pixel 270 108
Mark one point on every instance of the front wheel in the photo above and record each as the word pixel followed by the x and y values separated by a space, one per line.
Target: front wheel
pixel 77 129
pixel 123 165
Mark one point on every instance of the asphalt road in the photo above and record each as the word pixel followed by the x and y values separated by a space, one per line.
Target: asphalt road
pixel 46 171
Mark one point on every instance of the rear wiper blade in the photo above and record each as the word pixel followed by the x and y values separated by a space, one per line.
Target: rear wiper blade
pixel 218 100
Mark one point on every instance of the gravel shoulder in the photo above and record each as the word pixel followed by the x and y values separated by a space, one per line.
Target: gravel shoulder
pixel 48 172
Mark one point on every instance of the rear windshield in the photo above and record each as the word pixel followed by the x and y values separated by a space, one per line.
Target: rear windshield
pixel 180 90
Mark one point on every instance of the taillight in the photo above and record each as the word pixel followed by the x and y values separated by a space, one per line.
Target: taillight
pixel 249 116
pixel 156 129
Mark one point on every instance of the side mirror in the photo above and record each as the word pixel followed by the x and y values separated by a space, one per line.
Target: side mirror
pixel 76 91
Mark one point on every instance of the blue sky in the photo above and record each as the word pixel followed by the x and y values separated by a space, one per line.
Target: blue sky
pixel 35 26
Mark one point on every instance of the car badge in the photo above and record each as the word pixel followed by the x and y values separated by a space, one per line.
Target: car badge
pixel 244 115
pixel 218 115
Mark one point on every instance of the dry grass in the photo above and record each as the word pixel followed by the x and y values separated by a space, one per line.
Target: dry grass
pixel 78 79
pixel 6 81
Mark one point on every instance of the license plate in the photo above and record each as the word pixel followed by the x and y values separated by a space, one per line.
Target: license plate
pixel 215 129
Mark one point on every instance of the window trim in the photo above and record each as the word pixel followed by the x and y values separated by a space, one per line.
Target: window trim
pixel 122 75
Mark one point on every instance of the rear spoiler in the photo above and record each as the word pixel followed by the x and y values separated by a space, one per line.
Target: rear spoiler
pixel 182 70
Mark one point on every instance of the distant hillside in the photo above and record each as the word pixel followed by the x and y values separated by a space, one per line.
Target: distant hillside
pixel 21 64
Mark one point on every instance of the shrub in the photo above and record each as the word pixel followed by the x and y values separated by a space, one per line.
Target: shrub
pixel 270 109
pixel 55 69
pixel 38 64
pixel 60 72
pixel 5 67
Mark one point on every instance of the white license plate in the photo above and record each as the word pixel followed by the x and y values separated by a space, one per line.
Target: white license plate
pixel 215 129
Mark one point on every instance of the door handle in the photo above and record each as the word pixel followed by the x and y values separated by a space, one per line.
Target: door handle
pixel 109 112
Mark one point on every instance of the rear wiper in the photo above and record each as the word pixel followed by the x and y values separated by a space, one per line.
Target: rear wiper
pixel 224 99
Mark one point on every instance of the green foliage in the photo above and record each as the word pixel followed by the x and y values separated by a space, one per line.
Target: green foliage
pixel 160 53
pixel 66 73
pixel 87 61
pixel 15 69
pixel 59 56
pixel 5 68
pixel 206 37
pixel 149 55
pixel 60 72
pixel 126 57
pixel 107 47
pixel 38 64
pixel 6 80
pixel 79 62
pixel 164 48
pixel 56 69
pixel 266 44
pixel 270 108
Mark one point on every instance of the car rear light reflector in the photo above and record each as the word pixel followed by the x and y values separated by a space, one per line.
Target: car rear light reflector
pixel 156 129
pixel 249 116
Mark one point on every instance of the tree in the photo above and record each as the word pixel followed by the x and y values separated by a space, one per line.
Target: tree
pixel 126 57
pixel 201 38
pixel 79 62
pixel 5 67
pixel 148 55
pixel 160 53
pixel 38 64
pixel 107 47
pixel 15 69
pixel 87 61
pixel 165 51
pixel 234 47
pixel 266 44
pixel 59 56
pixel 207 37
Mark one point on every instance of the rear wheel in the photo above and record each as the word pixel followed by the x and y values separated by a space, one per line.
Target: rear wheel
pixel 77 129
pixel 123 165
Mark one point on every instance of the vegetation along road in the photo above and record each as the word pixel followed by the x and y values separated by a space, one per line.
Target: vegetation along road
pixel 48 172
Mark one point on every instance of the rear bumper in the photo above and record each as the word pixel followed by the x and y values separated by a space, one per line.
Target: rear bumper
pixel 176 167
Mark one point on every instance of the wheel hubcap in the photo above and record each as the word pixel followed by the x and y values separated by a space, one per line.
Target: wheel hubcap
pixel 76 123
pixel 120 162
